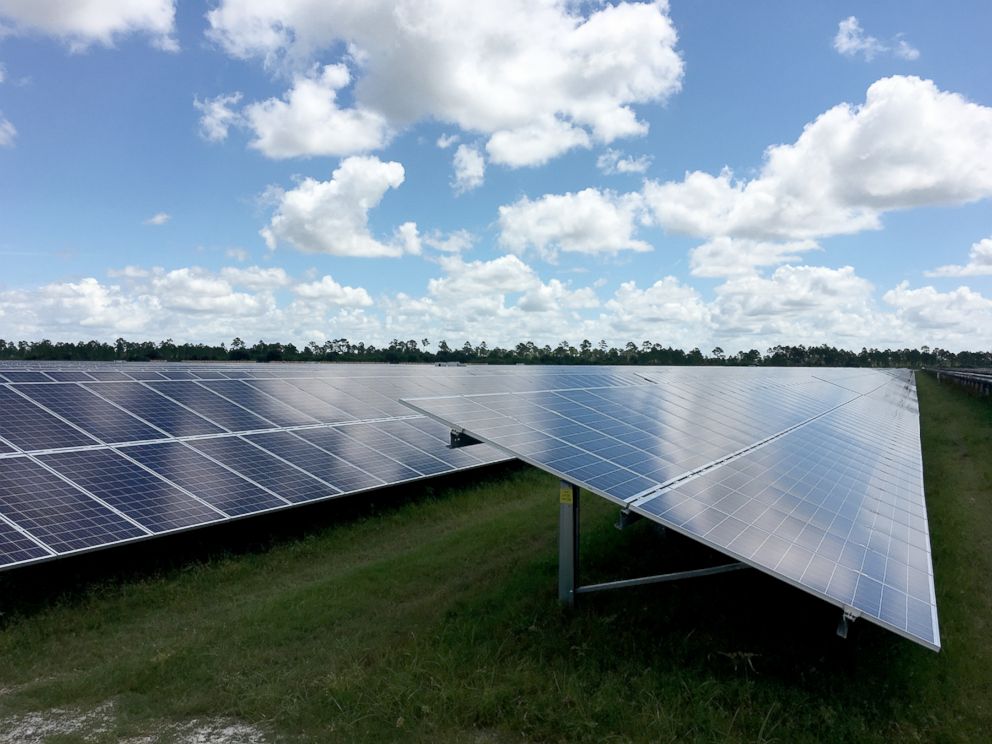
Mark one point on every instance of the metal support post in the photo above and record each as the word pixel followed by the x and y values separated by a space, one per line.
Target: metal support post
pixel 568 542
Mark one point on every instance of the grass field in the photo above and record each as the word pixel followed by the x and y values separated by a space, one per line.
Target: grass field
pixel 432 616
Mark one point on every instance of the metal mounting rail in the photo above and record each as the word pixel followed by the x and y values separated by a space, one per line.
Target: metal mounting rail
pixel 568 555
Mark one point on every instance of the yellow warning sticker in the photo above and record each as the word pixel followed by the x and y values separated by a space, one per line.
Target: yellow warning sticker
pixel 565 494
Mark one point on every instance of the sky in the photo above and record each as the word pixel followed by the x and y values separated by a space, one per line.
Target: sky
pixel 693 173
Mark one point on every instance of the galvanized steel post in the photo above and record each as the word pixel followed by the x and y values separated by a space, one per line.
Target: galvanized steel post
pixel 568 542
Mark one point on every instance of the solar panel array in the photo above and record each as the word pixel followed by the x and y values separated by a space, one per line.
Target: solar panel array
pixel 812 476
pixel 93 455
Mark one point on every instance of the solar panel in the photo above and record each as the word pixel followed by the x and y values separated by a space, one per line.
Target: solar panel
pixel 158 410
pixel 333 470
pixel 16 546
pixel 817 482
pixel 86 410
pixel 29 427
pixel 260 403
pixel 279 476
pixel 147 499
pixel 204 478
pixel 56 514
pixel 213 407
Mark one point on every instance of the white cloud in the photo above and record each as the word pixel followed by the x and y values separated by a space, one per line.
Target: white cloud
pixel 961 318
pixel 238 254
pixel 3 73
pixel 447 140
pixel 613 161
pixel 255 277
pixel 666 311
pixel 797 305
pixel 910 144
pixel 535 143
pixel 307 120
pixel 590 221
pixel 159 218
pixel 188 304
pixel 517 70
pixel 470 169
pixel 979 262
pixel 905 50
pixel 453 242
pixel 81 23
pixel 332 216
pixel 851 41
pixel 7 132
pixel 725 256
pixel 218 116
pixel 329 291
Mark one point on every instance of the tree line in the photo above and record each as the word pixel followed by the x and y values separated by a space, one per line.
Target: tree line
pixel 423 351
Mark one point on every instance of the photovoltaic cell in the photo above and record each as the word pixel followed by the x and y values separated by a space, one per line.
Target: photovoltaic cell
pixel 257 401
pixel 29 427
pixel 158 410
pixel 293 396
pixel 61 516
pixel 16 547
pixel 212 407
pixel 91 413
pixel 266 469
pixel 144 497
pixel 340 474
pixel 204 478
pixel 351 450
pixel 14 375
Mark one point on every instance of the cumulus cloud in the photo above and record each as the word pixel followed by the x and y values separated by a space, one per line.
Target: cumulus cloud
pixel 613 161
pixel 520 72
pixel 470 169
pixel 82 23
pixel 590 221
pixel 446 140
pixel 238 254
pixel 979 262
pixel 332 216
pixel 961 318
pixel 908 145
pixel 189 303
pixel 725 256
pixel 667 311
pixel 218 115
pixel 7 132
pixel 307 120
pixel 159 218
pixel 453 242
pixel 852 41
pixel 329 291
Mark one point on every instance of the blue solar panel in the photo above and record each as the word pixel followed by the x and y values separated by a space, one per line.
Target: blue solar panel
pixel 817 481
pixel 340 474
pixel 56 513
pixel 29 427
pixel 16 375
pixel 216 409
pixel 69 375
pixel 265 469
pixel 293 396
pixel 204 478
pixel 15 547
pixel 255 400
pixel 354 452
pixel 156 409
pixel 96 416
pixel 146 498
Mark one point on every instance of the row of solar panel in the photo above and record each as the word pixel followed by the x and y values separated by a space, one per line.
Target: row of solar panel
pixel 84 414
pixel 825 490
pixel 59 503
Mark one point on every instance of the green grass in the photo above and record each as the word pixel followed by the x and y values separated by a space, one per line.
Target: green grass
pixel 435 619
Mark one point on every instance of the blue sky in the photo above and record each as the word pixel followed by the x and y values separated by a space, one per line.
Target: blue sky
pixel 699 174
